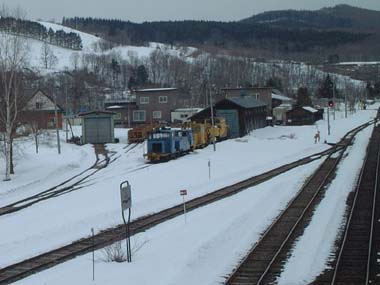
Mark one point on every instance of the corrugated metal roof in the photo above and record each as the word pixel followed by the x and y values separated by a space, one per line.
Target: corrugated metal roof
pixel 156 89
pixel 245 88
pixel 246 102
pixel 96 113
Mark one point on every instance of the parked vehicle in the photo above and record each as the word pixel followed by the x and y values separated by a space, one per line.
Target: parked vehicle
pixel 220 130
pixel 167 143
pixel 140 133
pixel 201 135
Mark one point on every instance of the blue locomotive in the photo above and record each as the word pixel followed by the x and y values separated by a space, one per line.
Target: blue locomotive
pixel 166 143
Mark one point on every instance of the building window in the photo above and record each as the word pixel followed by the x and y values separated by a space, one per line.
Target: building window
pixel 163 99
pixel 139 116
pixel 51 123
pixel 257 96
pixel 38 105
pixel 156 114
pixel 144 100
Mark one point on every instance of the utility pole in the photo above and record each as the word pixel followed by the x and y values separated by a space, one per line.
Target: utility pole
pixel 212 119
pixel 56 122
pixel 128 112
pixel 345 105
pixel 334 99
pixel 328 120
pixel 66 112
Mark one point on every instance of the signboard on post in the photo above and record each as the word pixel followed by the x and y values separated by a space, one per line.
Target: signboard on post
pixel 126 197
pixel 183 192
pixel 126 204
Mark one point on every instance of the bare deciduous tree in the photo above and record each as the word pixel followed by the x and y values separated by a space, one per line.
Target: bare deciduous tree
pixel 48 58
pixel 13 58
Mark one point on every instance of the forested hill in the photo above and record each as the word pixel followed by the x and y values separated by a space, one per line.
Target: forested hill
pixel 338 17
pixel 220 34
pixel 353 33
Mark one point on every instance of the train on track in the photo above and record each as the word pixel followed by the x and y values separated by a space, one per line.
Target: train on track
pixel 165 143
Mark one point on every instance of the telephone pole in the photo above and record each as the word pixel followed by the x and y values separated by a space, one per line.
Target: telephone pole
pixel 212 119
pixel 56 122
pixel 334 99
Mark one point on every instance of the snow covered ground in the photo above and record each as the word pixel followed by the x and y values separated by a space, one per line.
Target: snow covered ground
pixel 43 170
pixel 53 223
pixel 200 251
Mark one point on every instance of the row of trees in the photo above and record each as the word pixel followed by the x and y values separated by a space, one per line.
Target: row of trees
pixel 35 30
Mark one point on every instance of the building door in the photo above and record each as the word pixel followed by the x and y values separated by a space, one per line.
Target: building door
pixel 98 130
pixel 232 119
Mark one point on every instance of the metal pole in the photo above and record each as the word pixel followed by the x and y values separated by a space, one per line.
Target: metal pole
pixel 328 120
pixel 93 254
pixel 126 234
pixel 209 169
pixel 67 130
pixel 128 101
pixel 212 121
pixel 184 207
pixel 345 105
pixel 129 236
pixel 334 98
pixel 56 123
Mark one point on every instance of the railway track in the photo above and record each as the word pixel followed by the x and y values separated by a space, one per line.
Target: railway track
pixel 357 261
pixel 30 266
pixel 263 264
pixel 74 183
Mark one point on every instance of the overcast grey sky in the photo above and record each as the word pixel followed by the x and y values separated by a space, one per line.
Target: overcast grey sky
pixel 152 10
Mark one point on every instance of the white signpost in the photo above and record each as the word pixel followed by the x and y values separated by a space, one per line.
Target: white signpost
pixel 126 197
pixel 126 204
pixel 183 193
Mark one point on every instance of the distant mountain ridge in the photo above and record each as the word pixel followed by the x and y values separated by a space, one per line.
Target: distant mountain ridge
pixel 339 17
pixel 342 32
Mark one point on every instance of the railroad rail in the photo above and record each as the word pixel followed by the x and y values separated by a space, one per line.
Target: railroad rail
pixel 357 261
pixel 264 262
pixel 46 260
pixel 74 183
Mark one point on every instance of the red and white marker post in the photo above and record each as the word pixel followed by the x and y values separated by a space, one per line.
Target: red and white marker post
pixel 183 193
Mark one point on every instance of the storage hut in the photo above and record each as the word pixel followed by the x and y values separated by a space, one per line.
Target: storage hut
pixel 303 116
pixel 243 114
pixel 97 127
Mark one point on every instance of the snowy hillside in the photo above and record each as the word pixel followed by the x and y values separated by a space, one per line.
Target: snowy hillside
pixel 65 57
pixel 295 73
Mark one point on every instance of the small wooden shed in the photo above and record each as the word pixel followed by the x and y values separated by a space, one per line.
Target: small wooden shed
pixel 97 127
pixel 243 114
pixel 303 116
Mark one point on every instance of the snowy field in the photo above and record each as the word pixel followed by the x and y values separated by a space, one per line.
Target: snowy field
pixel 59 221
